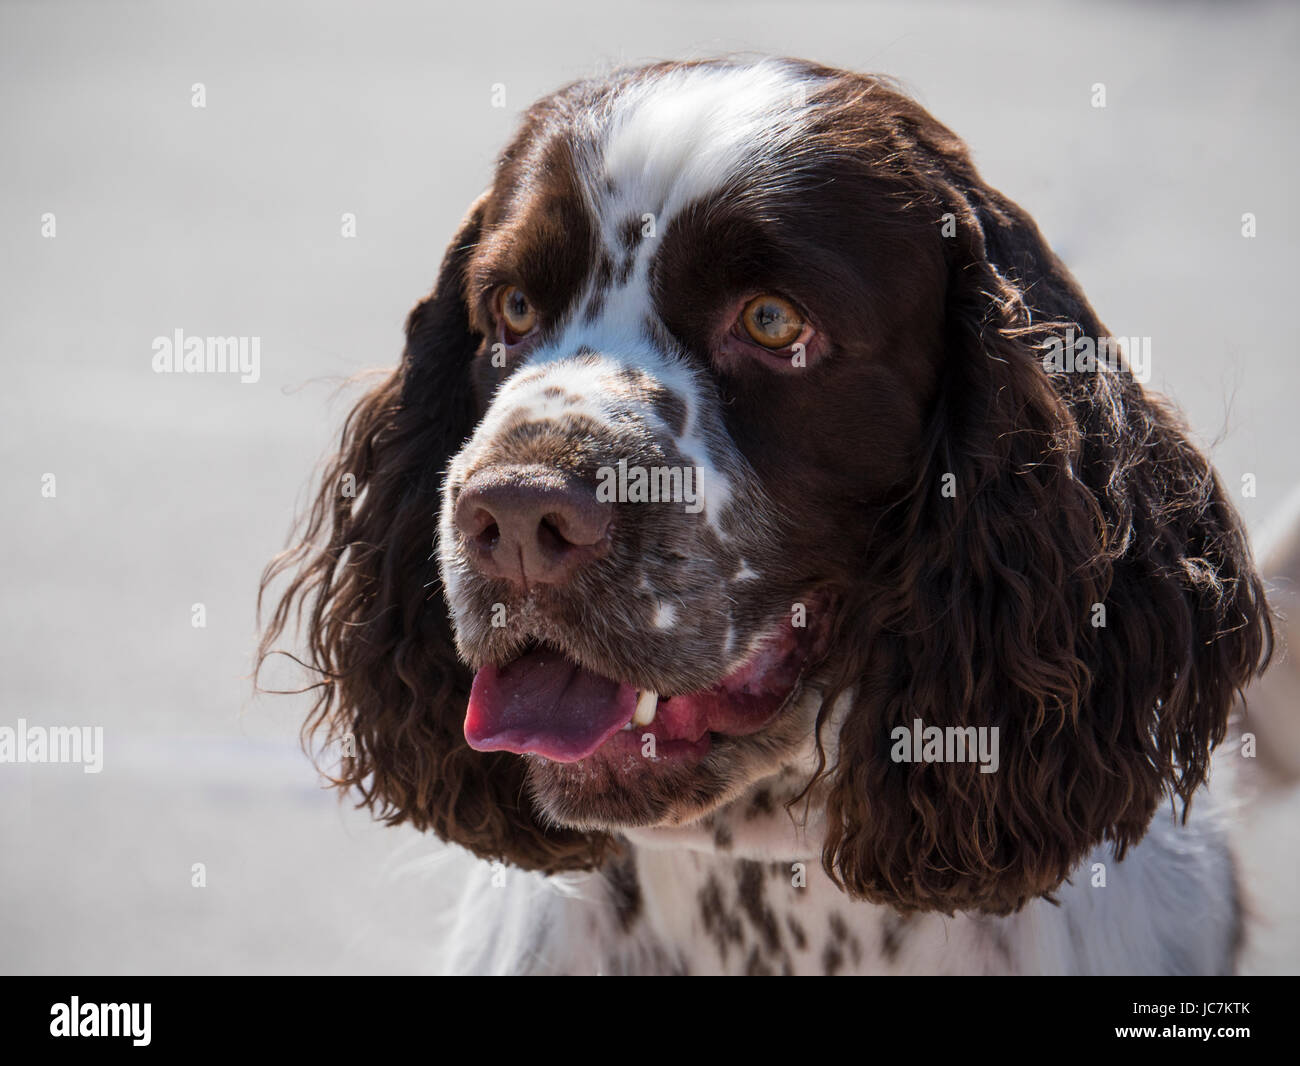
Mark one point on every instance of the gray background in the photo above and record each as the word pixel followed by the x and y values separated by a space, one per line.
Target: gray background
pixel 225 221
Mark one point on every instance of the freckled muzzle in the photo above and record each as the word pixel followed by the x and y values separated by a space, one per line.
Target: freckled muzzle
pixel 593 560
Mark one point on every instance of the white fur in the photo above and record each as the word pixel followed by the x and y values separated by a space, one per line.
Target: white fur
pixel 1168 908
pixel 681 137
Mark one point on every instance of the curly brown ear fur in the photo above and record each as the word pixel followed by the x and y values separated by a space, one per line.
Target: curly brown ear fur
pixel 364 574
pixel 1071 490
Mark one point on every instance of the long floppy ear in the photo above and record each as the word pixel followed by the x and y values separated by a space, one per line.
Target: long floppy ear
pixel 364 574
pixel 1066 570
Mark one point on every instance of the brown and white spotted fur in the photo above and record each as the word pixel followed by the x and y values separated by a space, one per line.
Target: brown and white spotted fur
pixel 742 891
pixel 907 514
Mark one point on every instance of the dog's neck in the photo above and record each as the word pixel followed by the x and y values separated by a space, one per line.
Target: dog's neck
pixel 769 823
pixel 745 892
pixel 744 888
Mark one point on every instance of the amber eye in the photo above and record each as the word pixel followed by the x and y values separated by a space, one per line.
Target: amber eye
pixel 517 313
pixel 772 321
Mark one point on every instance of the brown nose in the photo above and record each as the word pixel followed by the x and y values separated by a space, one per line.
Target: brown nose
pixel 531 525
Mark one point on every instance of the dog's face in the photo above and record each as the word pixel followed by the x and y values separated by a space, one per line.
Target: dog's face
pixel 729 421
pixel 691 376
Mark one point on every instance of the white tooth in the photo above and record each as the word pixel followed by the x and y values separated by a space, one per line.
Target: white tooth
pixel 646 703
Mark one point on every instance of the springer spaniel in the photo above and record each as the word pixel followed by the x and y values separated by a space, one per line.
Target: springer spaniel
pixel 792 605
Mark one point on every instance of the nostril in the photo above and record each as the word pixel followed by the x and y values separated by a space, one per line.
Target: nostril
pixel 486 539
pixel 549 535
pixel 479 525
pixel 582 523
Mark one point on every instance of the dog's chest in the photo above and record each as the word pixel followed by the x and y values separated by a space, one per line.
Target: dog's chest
pixel 725 897
pixel 710 913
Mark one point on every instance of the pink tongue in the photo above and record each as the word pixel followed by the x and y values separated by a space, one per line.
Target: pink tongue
pixel 545 704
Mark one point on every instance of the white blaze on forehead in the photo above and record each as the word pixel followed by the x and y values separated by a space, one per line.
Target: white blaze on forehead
pixel 685 134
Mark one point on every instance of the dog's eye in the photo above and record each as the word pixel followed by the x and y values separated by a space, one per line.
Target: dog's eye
pixel 518 314
pixel 772 321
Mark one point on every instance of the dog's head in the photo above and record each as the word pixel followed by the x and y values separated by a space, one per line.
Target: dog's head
pixel 730 406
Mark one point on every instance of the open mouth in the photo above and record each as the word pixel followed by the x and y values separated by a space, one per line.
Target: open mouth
pixel 543 703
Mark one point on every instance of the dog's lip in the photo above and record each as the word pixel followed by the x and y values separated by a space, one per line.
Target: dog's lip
pixel 543 704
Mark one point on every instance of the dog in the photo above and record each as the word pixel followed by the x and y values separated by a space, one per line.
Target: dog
pixel 734 562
